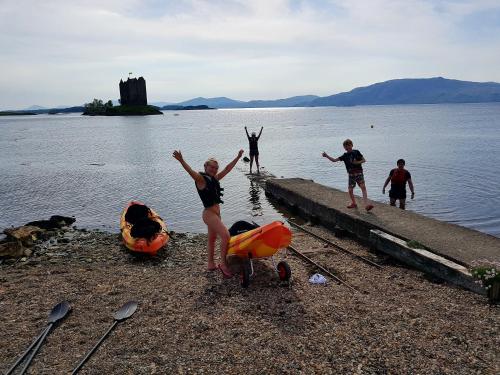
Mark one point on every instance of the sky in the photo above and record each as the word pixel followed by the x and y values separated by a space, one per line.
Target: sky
pixel 56 53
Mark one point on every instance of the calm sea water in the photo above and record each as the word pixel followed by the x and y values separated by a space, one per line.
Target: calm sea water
pixel 90 167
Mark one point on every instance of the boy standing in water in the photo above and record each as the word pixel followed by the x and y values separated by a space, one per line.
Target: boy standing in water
pixel 399 177
pixel 353 160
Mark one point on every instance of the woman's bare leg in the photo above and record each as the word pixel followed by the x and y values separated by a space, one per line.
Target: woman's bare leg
pixel 214 223
pixel 257 163
pixel 212 236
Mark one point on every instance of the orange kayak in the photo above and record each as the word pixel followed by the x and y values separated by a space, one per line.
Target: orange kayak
pixel 142 245
pixel 260 242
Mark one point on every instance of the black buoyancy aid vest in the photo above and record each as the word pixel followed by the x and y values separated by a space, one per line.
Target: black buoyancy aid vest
pixel 212 193
pixel 253 143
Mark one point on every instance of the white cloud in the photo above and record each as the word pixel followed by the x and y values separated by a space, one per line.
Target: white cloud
pixel 59 51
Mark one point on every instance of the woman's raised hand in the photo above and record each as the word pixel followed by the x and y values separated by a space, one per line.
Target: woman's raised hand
pixel 324 154
pixel 240 153
pixel 177 155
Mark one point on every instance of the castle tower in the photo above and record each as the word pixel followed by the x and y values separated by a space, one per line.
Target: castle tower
pixel 133 92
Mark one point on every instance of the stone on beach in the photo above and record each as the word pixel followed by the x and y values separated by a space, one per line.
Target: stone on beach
pixel 19 239
pixel 25 234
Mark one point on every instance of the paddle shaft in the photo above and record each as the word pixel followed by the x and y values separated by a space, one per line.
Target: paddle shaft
pixel 20 359
pixel 80 365
pixel 37 347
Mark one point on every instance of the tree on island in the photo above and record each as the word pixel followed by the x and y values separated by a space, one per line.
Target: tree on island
pixel 97 107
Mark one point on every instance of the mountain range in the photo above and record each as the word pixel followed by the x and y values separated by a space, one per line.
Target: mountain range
pixel 223 102
pixel 398 91
pixel 415 91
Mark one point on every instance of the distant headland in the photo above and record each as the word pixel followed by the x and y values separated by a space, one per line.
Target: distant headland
pixel 437 90
pixel 17 113
pixel 175 107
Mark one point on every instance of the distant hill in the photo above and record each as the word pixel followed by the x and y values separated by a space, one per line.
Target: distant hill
pixel 58 110
pixel 50 111
pixel 415 91
pixel 294 101
pixel 156 104
pixel 34 108
pixel 16 113
pixel 174 107
pixel 220 102
pixel 223 102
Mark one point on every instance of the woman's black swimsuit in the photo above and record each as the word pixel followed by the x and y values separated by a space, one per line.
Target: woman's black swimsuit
pixel 212 193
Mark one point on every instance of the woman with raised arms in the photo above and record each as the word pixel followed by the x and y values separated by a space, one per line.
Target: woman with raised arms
pixel 210 192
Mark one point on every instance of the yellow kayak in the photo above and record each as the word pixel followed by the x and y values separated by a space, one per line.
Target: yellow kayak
pixel 260 242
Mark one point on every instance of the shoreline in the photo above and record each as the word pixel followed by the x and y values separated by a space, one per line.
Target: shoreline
pixel 190 320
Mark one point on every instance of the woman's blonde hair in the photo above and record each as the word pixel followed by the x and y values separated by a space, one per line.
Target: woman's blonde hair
pixel 211 160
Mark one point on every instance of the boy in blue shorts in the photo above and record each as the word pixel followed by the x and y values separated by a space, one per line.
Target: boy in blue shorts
pixel 353 160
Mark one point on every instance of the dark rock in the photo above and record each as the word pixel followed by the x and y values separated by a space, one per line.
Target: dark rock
pixel 25 234
pixel 246 159
pixel 13 249
pixel 47 235
pixel 55 222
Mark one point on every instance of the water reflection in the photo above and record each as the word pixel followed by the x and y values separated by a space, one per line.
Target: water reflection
pixel 254 198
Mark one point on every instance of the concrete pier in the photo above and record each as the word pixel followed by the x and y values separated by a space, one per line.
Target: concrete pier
pixel 328 206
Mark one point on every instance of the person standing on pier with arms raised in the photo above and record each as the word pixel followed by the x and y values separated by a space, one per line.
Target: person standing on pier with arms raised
pixel 210 192
pixel 353 160
pixel 254 148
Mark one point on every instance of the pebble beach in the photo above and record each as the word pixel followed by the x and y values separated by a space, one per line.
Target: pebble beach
pixel 192 321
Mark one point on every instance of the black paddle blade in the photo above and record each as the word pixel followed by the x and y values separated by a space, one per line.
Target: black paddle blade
pixel 59 311
pixel 126 310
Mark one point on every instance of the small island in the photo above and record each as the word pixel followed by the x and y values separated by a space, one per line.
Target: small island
pixel 133 102
pixel 98 108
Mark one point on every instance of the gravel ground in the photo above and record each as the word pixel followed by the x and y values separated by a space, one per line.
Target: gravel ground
pixel 191 320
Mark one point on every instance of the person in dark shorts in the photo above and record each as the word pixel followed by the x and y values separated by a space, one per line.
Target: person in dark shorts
pixel 353 160
pixel 254 148
pixel 399 177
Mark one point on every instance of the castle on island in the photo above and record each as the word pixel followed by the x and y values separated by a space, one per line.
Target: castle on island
pixel 133 92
